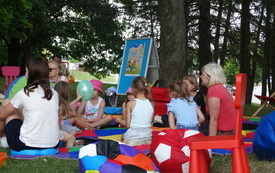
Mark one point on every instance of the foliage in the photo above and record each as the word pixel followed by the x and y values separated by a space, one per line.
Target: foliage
pixel 14 20
pixel 230 70
pixel 84 30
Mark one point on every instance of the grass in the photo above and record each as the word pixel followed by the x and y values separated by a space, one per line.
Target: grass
pixel 219 164
pixel 79 75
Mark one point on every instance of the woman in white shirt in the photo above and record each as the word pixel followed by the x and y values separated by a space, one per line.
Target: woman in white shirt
pixel 36 125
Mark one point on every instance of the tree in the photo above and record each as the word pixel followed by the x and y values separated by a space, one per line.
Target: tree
pixel 204 36
pixel 245 41
pixel 84 30
pixel 14 23
pixel 173 41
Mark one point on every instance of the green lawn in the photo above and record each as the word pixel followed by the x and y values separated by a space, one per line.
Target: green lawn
pixel 80 75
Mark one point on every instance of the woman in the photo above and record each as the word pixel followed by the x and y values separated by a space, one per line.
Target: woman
pixel 219 102
pixel 31 116
pixel 56 72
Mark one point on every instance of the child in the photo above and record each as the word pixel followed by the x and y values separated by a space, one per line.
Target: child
pixel 182 108
pixel 94 108
pixel 193 88
pixel 66 115
pixel 129 96
pixel 139 114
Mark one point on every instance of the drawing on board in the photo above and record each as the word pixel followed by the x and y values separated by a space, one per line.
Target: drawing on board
pixel 134 60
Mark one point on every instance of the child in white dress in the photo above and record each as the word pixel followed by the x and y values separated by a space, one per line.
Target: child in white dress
pixel 139 114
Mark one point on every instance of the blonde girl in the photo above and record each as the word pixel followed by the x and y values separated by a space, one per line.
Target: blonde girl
pixel 193 91
pixel 67 116
pixel 182 108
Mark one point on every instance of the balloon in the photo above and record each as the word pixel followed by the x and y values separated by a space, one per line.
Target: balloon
pixel 85 88
pixel 70 79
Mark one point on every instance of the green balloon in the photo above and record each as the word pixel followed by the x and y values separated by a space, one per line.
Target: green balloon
pixel 85 88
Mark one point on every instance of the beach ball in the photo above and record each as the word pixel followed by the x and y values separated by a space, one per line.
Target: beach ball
pixel 70 79
pixel 107 156
pixel 170 150
pixel 85 88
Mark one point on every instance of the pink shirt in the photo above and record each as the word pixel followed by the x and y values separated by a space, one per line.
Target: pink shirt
pixel 227 117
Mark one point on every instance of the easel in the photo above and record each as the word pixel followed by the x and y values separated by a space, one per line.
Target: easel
pixel 266 101
pixel 140 58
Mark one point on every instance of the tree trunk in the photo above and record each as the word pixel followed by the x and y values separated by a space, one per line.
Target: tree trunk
pixel 172 41
pixel 204 54
pixel 245 40
pixel 226 31
pixel 13 52
pixel 272 89
pixel 218 30
pixel 265 75
pixel 256 55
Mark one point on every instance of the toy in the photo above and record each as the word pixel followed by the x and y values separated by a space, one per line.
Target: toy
pixel 110 156
pixel 85 88
pixel 170 150
pixel 70 79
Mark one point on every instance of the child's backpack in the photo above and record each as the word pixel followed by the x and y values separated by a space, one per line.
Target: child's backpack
pixel 111 98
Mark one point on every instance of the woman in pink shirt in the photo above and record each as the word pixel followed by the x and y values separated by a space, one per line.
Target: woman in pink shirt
pixel 219 102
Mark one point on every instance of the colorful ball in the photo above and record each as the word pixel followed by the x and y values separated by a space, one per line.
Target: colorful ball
pixel 70 79
pixel 85 88
pixel 110 156
pixel 170 150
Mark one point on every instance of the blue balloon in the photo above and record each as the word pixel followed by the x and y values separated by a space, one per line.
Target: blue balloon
pixel 85 88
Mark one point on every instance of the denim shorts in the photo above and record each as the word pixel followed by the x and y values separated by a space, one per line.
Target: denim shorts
pixel 188 127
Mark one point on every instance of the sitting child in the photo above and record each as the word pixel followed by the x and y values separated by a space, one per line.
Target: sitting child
pixel 193 88
pixel 140 113
pixel 183 108
pixel 67 117
pixel 129 96
pixel 94 108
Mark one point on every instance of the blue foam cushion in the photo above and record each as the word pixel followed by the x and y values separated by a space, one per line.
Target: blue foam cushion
pixel 264 138
pixel 48 151
pixel 113 110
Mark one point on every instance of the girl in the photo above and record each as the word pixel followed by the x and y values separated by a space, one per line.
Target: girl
pixel 129 96
pixel 183 108
pixel 193 87
pixel 94 108
pixel 31 116
pixel 139 114
pixel 67 116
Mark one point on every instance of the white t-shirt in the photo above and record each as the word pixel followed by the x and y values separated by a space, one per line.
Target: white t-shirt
pixel 40 125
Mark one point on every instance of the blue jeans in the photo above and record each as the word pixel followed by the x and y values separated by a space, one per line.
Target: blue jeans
pixel 188 127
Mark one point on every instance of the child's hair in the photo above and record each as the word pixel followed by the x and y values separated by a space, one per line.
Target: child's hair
pixel 64 91
pixel 180 88
pixel 193 80
pixel 129 91
pixel 140 85
pixel 38 75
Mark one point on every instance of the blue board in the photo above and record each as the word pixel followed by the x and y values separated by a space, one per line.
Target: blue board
pixel 135 62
